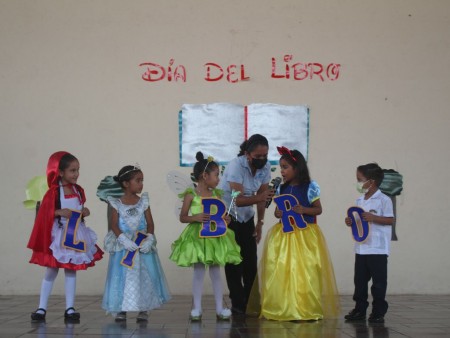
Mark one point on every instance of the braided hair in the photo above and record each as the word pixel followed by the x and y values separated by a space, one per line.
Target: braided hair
pixel 64 163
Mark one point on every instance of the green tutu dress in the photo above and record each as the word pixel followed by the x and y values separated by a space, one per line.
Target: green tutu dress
pixel 190 248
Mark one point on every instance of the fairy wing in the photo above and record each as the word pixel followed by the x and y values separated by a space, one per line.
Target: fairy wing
pixel 35 191
pixel 178 183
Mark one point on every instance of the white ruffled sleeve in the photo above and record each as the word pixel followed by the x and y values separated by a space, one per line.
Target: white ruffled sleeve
pixel 145 200
pixel 110 243
pixel 113 202
pixel 313 192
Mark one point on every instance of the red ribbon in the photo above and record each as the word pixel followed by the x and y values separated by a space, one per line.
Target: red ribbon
pixel 285 151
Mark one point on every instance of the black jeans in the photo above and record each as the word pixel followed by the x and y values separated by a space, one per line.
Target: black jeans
pixel 371 267
pixel 240 277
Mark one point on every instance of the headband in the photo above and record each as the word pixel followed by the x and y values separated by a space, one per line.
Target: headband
pixel 136 167
pixel 285 151
pixel 209 159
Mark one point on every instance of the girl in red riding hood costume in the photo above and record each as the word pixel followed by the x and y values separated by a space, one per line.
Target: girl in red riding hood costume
pixel 60 238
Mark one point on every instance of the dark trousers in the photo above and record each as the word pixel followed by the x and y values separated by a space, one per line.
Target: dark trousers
pixel 240 277
pixel 371 267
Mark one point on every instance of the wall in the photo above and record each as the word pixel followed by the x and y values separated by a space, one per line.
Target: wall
pixel 70 80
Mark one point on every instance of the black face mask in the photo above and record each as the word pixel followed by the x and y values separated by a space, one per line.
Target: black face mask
pixel 259 163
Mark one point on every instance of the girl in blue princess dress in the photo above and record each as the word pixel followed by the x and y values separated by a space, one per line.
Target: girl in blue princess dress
pixel 295 251
pixel 135 280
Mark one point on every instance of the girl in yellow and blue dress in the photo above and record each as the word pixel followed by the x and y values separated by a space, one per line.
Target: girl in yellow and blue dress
pixel 192 249
pixel 297 277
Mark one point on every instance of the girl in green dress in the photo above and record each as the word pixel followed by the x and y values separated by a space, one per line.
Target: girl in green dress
pixel 197 249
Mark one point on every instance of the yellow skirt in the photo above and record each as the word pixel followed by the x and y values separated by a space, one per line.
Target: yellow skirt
pixel 296 276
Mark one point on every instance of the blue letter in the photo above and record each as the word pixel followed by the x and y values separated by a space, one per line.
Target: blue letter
pixel 289 218
pixel 128 260
pixel 360 227
pixel 70 233
pixel 216 226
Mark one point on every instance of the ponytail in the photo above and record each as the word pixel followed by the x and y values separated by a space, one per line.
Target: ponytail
pixel 250 144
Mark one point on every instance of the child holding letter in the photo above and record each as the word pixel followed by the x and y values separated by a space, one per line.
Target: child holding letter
pixel 60 238
pixel 135 280
pixel 200 249
pixel 297 277
pixel 371 255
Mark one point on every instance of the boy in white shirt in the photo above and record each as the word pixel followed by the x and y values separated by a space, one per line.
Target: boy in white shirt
pixel 371 255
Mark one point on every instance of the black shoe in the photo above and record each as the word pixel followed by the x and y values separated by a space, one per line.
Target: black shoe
pixel 38 317
pixel 373 318
pixel 237 311
pixel 71 316
pixel 355 315
pixel 121 317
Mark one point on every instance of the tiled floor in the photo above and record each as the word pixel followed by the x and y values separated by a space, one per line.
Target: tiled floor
pixel 409 316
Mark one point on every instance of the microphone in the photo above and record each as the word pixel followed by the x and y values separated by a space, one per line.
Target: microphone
pixel 274 184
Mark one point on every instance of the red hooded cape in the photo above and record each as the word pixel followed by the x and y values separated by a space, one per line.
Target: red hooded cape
pixel 40 239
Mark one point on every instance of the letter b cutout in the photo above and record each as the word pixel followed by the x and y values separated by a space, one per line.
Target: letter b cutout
pixel 216 226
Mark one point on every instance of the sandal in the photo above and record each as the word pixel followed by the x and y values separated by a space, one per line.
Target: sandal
pixel 71 316
pixel 38 317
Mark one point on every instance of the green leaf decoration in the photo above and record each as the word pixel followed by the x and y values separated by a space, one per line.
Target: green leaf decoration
pixel 392 184
pixel 109 187
pixel 35 191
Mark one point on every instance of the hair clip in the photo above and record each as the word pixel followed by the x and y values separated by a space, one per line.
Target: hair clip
pixel 285 151
pixel 209 160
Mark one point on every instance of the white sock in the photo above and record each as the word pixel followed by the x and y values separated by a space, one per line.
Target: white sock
pixel 216 280
pixel 197 285
pixel 46 287
pixel 70 287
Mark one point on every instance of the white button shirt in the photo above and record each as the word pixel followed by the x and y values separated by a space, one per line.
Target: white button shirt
pixel 379 239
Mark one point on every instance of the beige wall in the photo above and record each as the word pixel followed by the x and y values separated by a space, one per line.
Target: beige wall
pixel 70 80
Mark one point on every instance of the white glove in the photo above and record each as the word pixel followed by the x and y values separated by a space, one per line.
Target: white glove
pixel 148 244
pixel 127 243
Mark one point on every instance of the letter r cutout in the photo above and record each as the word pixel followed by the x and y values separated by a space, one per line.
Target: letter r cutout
pixel 290 218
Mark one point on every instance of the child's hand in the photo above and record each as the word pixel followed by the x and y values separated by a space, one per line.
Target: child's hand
pixel 299 209
pixel 148 244
pixel 278 213
pixel 201 218
pixel 127 243
pixel 348 221
pixel 227 219
pixel 66 213
pixel 85 212
pixel 368 216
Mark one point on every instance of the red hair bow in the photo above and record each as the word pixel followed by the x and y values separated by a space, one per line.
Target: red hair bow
pixel 285 151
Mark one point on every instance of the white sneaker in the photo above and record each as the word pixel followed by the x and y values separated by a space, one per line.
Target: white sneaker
pixel 196 315
pixel 225 314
